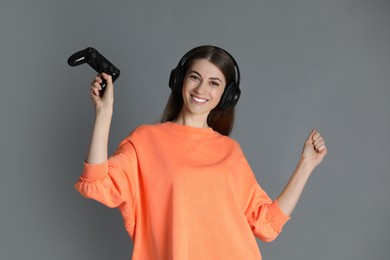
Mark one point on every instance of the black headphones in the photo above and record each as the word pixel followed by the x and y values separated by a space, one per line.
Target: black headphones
pixel 232 90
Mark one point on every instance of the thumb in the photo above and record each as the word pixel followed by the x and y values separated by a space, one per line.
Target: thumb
pixel 108 80
pixel 109 90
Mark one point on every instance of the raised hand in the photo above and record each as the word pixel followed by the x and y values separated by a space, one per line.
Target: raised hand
pixel 314 149
pixel 102 100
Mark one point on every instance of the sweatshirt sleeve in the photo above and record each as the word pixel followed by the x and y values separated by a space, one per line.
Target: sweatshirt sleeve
pixel 265 216
pixel 114 182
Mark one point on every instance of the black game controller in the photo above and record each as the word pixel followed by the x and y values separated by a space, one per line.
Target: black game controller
pixel 96 61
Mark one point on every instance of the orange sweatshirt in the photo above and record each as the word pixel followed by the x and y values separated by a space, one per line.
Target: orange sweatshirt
pixel 184 193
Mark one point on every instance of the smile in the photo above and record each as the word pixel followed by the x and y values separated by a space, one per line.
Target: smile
pixel 199 100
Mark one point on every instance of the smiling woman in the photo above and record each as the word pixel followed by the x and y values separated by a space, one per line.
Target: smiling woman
pixel 221 71
pixel 202 90
pixel 183 186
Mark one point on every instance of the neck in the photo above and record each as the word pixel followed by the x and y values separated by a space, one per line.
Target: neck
pixel 199 121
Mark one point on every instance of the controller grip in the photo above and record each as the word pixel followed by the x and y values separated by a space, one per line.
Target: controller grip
pixel 77 59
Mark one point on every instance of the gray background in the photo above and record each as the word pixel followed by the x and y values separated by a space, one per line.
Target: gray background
pixel 304 64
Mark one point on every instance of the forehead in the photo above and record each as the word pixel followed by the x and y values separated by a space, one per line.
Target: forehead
pixel 206 69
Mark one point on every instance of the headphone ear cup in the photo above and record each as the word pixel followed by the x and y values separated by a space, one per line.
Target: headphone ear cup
pixel 230 96
pixel 173 80
pixel 176 80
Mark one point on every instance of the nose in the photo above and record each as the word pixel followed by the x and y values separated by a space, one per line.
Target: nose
pixel 200 87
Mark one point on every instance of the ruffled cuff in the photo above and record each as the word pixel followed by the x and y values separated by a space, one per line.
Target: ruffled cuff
pixel 276 216
pixel 95 172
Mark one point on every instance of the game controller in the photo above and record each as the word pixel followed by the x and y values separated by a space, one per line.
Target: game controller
pixel 97 61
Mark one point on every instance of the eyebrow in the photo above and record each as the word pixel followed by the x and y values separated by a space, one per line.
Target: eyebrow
pixel 212 78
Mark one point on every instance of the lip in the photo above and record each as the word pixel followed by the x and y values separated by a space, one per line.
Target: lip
pixel 198 100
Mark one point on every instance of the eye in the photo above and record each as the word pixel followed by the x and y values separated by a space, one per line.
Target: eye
pixel 194 77
pixel 214 83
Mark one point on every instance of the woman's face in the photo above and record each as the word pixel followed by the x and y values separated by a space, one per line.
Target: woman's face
pixel 203 86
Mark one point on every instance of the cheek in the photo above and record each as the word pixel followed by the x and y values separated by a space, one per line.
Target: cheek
pixel 184 90
pixel 185 86
pixel 218 93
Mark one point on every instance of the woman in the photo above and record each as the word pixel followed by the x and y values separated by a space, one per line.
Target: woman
pixel 183 187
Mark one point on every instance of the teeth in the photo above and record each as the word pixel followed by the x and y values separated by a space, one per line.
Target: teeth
pixel 201 100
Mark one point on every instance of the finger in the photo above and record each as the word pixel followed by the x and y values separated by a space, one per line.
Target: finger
pixel 98 78
pixel 318 146
pixel 310 138
pixel 316 136
pixel 95 90
pixel 322 149
pixel 318 140
pixel 96 84
pixel 319 143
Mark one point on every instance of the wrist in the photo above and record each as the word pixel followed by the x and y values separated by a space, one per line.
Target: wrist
pixel 104 112
pixel 305 166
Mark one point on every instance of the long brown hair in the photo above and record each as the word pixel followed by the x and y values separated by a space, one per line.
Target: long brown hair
pixel 220 120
